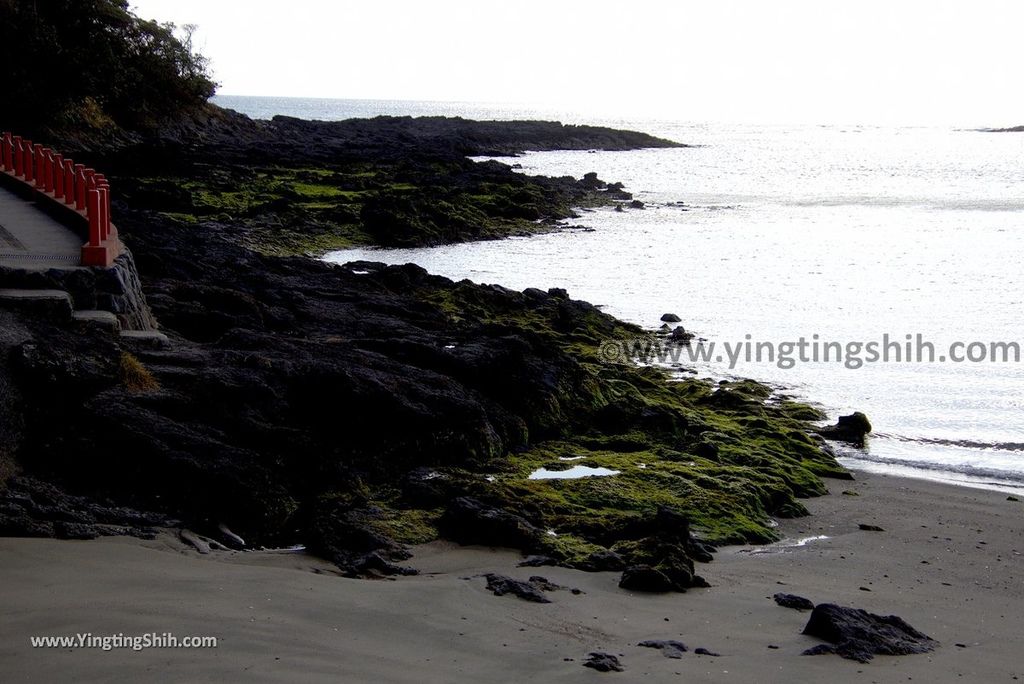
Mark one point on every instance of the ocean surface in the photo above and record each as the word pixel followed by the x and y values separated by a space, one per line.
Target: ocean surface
pixel 850 233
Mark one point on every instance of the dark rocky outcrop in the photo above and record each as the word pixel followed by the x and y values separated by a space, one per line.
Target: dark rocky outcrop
pixel 601 561
pixel 342 532
pixel 469 521
pixel 647 579
pixel 859 635
pixel 359 408
pixel 659 552
pixel 297 186
pixel 32 508
pixel 853 428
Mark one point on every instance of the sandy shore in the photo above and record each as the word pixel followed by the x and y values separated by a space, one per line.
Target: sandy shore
pixel 948 561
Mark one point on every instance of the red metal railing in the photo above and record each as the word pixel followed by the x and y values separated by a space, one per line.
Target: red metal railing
pixel 73 186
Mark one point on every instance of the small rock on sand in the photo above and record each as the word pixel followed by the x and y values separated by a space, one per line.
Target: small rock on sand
pixel 501 585
pixel 668 647
pixel 603 662
pixel 793 601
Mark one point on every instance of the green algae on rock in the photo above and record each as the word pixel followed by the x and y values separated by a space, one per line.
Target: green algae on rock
pixel 727 456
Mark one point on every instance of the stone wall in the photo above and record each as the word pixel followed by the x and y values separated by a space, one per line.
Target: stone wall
pixel 116 289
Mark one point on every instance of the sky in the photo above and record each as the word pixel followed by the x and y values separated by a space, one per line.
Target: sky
pixel 792 61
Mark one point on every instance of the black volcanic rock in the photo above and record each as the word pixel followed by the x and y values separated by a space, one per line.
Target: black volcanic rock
pixel 601 561
pixel 469 521
pixel 603 662
pixel 852 428
pixel 859 635
pixel 30 507
pixel 793 601
pixel 647 579
pixel 668 647
pixel 532 591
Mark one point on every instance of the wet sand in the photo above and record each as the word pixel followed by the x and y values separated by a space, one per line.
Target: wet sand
pixel 948 561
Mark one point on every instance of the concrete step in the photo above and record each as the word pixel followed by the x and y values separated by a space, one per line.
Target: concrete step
pixel 52 303
pixel 145 339
pixel 103 319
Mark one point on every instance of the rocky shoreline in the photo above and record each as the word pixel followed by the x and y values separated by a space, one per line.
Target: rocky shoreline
pixel 356 409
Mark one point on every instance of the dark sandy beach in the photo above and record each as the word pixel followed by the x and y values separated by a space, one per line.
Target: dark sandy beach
pixel 948 561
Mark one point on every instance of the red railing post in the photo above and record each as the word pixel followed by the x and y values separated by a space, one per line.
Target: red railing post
pixel 93 212
pixel 40 170
pixel 47 169
pixel 80 187
pixel 30 161
pixel 58 176
pixel 69 181
pixel 104 188
pixel 8 156
pixel 19 158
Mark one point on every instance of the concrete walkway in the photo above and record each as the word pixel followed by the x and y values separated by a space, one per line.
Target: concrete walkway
pixel 30 239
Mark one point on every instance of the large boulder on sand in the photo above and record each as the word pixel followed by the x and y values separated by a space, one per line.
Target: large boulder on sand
pixel 859 635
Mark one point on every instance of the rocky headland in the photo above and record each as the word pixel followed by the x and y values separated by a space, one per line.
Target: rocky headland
pixel 356 409
pixel 289 186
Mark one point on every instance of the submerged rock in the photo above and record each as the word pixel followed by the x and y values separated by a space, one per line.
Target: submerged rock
pixel 852 429
pixel 670 318
pixel 859 635
pixel 680 334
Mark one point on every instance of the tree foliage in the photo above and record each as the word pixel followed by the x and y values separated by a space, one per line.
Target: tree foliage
pixel 63 61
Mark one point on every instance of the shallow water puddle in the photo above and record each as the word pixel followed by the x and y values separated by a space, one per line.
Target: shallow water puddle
pixel 573 473
pixel 785 544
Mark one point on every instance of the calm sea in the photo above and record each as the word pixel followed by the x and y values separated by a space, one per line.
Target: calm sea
pixel 850 233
